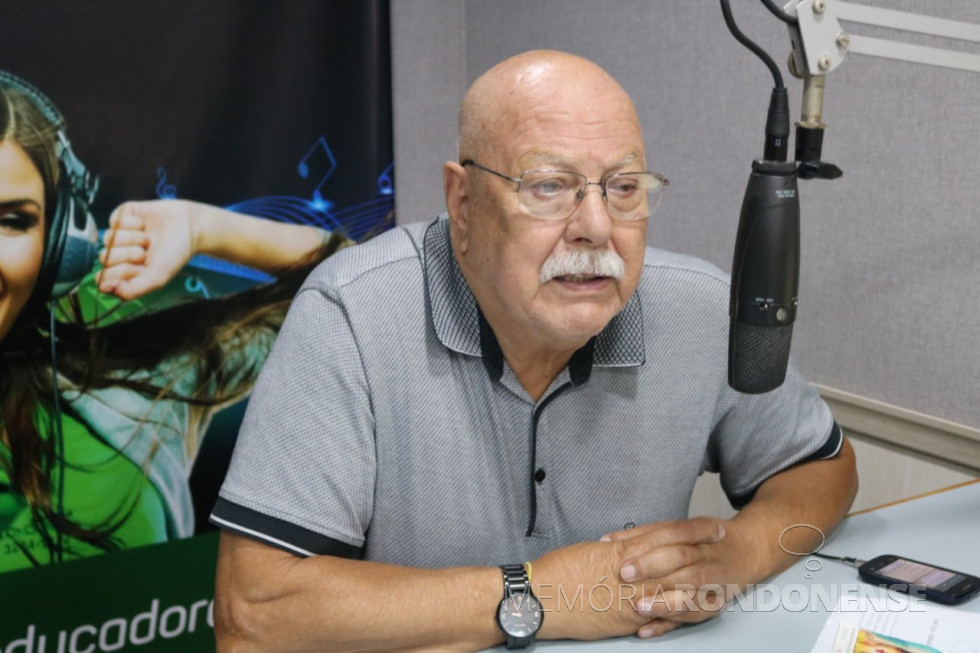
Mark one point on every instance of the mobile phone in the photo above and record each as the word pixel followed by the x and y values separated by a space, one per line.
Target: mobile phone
pixel 939 584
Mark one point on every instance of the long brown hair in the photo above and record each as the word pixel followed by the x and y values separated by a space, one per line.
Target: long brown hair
pixel 90 356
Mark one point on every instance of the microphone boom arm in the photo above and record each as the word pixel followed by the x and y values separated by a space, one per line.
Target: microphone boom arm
pixel 820 44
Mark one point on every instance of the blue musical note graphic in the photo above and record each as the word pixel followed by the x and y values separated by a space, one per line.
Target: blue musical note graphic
pixel 164 190
pixel 194 285
pixel 354 221
pixel 385 185
pixel 214 278
pixel 320 145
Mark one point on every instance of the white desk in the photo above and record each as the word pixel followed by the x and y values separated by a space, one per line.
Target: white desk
pixel 942 528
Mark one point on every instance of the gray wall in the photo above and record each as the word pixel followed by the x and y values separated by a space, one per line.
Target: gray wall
pixel 890 290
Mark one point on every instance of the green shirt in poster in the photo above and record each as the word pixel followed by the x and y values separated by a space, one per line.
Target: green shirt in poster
pixel 102 487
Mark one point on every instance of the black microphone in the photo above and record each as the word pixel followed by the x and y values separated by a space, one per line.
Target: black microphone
pixel 766 265
pixel 765 279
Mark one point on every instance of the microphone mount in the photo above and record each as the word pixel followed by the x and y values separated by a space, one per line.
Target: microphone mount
pixel 820 45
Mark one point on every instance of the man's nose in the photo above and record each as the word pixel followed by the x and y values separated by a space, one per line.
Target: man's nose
pixel 590 221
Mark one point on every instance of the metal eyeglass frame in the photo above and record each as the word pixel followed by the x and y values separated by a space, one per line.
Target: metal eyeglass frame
pixel 581 192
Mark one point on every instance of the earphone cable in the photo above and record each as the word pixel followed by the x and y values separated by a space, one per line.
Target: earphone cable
pixel 59 441
pixel 851 562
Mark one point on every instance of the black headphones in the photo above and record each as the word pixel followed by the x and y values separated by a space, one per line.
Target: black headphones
pixel 71 246
pixel 70 251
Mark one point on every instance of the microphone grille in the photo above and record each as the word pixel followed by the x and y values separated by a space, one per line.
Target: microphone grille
pixel 758 356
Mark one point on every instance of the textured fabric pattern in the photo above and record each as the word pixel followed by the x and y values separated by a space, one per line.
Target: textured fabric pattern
pixel 375 423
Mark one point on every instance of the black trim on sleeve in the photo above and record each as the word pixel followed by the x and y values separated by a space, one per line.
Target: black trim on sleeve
pixel 278 533
pixel 829 449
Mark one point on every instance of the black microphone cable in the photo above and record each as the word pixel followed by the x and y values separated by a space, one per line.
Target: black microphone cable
pixel 726 9
pixel 777 120
pixel 779 13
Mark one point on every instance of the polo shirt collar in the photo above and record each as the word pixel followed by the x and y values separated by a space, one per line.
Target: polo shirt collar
pixel 459 324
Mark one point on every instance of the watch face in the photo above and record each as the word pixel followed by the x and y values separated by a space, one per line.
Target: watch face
pixel 520 615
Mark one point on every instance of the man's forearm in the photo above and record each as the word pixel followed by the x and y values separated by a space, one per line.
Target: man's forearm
pixel 791 510
pixel 268 600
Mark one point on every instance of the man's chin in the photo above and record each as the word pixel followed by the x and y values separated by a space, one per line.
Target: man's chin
pixel 578 325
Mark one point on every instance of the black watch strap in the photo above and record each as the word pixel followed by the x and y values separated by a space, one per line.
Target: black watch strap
pixel 518 585
pixel 515 579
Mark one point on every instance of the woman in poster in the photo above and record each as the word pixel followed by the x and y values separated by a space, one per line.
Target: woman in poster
pixel 101 417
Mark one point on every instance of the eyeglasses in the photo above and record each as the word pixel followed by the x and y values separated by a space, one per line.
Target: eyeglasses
pixel 554 194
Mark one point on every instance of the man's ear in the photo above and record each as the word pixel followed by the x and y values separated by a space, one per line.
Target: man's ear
pixel 457 202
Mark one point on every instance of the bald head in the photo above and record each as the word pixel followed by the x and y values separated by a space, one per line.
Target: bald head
pixel 539 80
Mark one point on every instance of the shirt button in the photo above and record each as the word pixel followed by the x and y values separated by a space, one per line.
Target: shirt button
pixel 539 475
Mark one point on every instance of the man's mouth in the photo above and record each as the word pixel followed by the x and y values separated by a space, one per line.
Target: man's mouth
pixel 579 278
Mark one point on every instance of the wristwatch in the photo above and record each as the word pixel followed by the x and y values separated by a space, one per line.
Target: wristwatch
pixel 519 614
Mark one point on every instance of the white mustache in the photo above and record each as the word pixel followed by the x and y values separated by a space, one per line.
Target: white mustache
pixel 586 263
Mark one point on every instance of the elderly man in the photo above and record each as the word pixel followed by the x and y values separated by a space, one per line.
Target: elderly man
pixel 521 381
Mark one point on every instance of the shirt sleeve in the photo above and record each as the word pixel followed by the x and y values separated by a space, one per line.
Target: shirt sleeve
pixel 302 474
pixel 757 436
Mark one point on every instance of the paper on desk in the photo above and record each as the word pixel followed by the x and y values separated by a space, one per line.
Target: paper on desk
pixel 946 629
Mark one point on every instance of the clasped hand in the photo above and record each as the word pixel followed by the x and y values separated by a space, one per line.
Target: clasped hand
pixel 659 576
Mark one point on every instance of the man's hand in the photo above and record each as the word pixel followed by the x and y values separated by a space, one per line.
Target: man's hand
pixel 704 553
pixel 684 568
pixel 579 589
pixel 641 581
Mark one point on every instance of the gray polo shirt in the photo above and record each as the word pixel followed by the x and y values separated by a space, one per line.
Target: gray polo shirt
pixel 387 425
